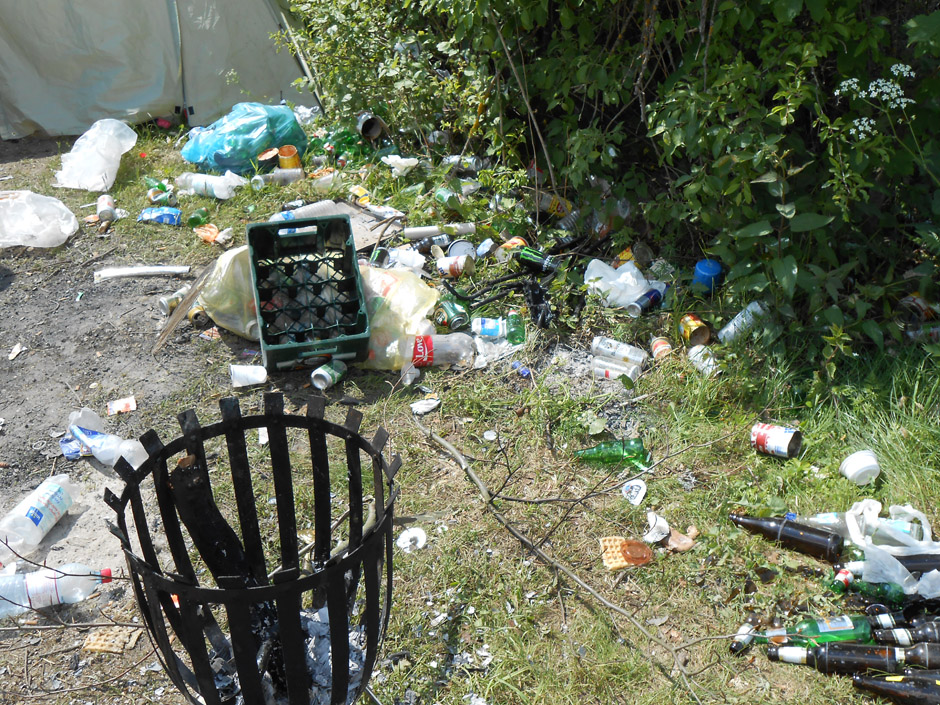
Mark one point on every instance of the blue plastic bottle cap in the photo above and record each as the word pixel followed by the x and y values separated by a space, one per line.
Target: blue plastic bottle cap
pixel 707 273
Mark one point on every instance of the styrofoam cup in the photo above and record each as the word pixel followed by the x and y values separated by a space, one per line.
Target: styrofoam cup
pixel 861 467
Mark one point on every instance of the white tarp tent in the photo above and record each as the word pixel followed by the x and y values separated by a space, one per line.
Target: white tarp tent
pixel 65 64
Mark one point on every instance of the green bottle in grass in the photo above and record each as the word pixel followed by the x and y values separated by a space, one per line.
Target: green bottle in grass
pixel 630 451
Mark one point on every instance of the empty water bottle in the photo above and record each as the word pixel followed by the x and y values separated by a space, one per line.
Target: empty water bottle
pixel 71 583
pixel 24 526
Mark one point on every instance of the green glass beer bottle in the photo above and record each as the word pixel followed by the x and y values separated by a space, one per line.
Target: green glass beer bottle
pixel 630 451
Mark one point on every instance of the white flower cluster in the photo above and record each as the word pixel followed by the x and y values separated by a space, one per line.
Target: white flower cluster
pixel 902 70
pixel 848 86
pixel 863 128
pixel 887 91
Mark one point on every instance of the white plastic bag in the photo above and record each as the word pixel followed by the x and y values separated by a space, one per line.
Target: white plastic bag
pixel 228 295
pixel 619 287
pixel 95 157
pixel 31 220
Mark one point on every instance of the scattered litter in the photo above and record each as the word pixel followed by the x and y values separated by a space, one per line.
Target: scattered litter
pixel 93 162
pixel 17 349
pixel 247 375
pixel 30 220
pixel 490 435
pixel 426 405
pixel 618 553
pixel 658 621
pixel 112 640
pixel 213 334
pixel 657 528
pixel 263 437
pixel 634 491
pixel 141 271
pixel 122 406
pixel 412 539
pixel 679 542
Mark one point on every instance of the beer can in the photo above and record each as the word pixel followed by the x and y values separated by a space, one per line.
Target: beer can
pixel 693 330
pixel 462 247
pixel 616 350
pixel 105 208
pixel 169 302
pixel 742 322
pixel 776 440
pixel 160 197
pixel 329 374
pixel 606 368
pixel 454 267
pixel 535 260
pixel 660 347
pixel 704 360
pixel 450 314
pixel 198 317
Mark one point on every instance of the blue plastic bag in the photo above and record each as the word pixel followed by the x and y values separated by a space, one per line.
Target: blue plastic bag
pixel 234 142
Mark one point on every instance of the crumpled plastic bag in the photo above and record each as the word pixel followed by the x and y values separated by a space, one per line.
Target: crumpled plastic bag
pixel 398 302
pixel 228 295
pixel 95 158
pixel 881 566
pixel 400 165
pixel 234 141
pixel 31 220
pixel 619 287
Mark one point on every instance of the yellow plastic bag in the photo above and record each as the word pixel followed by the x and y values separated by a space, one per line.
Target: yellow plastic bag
pixel 398 302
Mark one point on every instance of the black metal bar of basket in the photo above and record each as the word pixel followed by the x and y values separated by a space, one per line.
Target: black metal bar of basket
pixel 262 643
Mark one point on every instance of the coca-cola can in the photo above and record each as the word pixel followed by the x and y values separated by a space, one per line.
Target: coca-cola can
pixel 776 440
pixel 454 267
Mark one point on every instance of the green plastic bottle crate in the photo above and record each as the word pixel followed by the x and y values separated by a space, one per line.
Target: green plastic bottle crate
pixel 308 291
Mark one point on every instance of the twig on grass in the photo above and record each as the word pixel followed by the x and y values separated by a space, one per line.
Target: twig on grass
pixel 488 500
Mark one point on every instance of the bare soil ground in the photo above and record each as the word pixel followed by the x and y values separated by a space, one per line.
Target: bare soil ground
pixel 85 344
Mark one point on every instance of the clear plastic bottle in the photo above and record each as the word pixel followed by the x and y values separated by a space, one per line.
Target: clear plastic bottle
pixel 417 351
pixel 49 586
pixel 107 448
pixel 24 526
pixel 221 187
pixel 278 177
pixel 494 328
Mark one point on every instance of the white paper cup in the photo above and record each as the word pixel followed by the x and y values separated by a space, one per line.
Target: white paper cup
pixel 246 375
pixel 861 467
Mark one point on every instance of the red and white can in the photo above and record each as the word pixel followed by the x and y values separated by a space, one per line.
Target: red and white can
pixel 660 347
pixel 776 440
pixel 455 266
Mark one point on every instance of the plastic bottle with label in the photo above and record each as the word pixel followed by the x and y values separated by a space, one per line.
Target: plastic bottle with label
pixel 108 448
pixel 434 350
pixel 68 584
pixel 221 187
pixel 24 526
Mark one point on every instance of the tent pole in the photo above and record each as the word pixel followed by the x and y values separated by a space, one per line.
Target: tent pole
pixel 303 61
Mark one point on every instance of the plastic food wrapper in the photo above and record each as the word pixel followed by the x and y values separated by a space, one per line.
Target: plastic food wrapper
pixel 234 141
pixel 228 295
pixel 400 165
pixel 619 287
pixel 398 302
pixel 162 214
pixel 618 553
pixel 96 156
pixel 30 220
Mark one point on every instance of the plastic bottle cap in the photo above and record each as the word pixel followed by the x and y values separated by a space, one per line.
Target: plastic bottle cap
pixel 106 575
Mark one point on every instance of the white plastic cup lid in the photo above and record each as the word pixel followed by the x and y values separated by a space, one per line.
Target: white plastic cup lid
pixel 861 467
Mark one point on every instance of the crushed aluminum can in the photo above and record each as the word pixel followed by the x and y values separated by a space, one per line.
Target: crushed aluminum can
pixel 776 440
pixel 160 197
